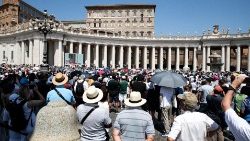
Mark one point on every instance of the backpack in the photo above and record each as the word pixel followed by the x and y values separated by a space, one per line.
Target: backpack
pixel 79 88
pixel 16 112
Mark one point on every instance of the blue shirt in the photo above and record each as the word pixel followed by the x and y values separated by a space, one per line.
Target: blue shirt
pixel 66 93
pixel 246 107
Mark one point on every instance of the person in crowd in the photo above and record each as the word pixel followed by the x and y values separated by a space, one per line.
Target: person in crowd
pixel 166 100
pixel 141 87
pixel 245 104
pixel 78 91
pixel 93 128
pixel 28 106
pixel 191 125
pixel 133 123
pixel 66 95
pixel 113 90
pixel 194 86
pixel 237 125
pixel 203 91
pixel 123 91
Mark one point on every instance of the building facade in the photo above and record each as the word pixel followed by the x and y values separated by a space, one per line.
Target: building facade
pixel 25 46
pixel 102 46
pixel 123 20
pixel 14 12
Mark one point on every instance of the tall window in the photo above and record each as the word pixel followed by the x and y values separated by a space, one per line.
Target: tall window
pixel 100 23
pixel 141 33
pixel 141 17
pixel 4 55
pixel 112 13
pixel 127 33
pixel 134 33
pixel 12 55
pixel 134 11
pixel 127 11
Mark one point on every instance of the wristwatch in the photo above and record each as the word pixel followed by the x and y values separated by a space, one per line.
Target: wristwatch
pixel 231 88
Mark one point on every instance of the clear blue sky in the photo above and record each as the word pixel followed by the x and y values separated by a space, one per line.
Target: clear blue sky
pixel 172 16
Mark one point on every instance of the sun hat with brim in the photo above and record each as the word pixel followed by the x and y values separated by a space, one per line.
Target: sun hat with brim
pixel 189 99
pixel 92 95
pixel 135 100
pixel 60 79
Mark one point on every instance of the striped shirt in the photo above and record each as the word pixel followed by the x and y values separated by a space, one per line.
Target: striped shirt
pixel 134 124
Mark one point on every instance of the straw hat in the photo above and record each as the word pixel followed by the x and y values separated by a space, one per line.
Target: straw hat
pixel 189 99
pixel 60 79
pixel 135 100
pixel 92 95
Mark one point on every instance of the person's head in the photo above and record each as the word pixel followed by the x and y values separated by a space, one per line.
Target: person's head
pixel 92 95
pixel 188 101
pixel 60 79
pixel 187 88
pixel 218 90
pixel 245 90
pixel 140 77
pixel 7 87
pixel 135 100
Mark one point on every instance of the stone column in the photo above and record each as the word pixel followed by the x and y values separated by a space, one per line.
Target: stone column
pixel 121 57
pixel 161 58
pixel 137 57
pixel 223 58
pixel 204 58
pixel 169 58
pixel 97 55
pixel 60 53
pixel 248 59
pixel 31 52
pixel 129 57
pixel 104 56
pixel 71 49
pixel 112 61
pixel 238 58
pixel 80 48
pixel 87 61
pixel 177 58
pixel 153 58
pixel 145 60
pixel 36 52
pixel 194 59
pixel 208 59
pixel 228 58
pixel 23 52
pixel 186 57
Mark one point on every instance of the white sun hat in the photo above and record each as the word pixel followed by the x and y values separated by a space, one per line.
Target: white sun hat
pixel 135 100
pixel 92 95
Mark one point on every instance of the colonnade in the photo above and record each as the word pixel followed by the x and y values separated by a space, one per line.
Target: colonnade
pixel 30 51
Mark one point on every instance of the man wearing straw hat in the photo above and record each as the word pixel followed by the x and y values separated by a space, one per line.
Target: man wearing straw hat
pixel 66 95
pixel 134 123
pixel 93 127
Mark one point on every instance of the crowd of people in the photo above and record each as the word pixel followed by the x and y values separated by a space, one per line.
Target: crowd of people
pixel 211 106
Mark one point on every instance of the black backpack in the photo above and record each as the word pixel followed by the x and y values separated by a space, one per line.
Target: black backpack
pixel 79 88
pixel 18 121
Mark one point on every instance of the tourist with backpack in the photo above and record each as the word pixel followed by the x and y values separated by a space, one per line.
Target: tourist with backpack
pixel 19 110
pixel 78 91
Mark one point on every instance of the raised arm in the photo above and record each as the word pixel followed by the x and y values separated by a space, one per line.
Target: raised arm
pixel 226 102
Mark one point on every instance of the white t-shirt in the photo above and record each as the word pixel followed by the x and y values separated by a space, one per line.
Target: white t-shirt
pixel 205 90
pixel 192 126
pixel 237 125
pixel 167 94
